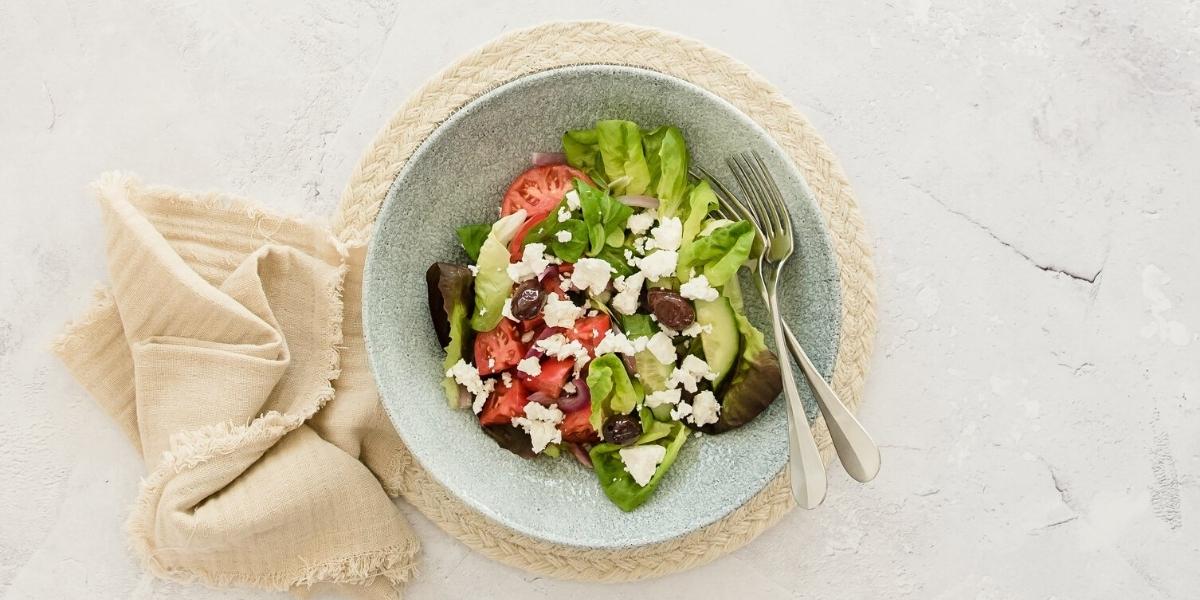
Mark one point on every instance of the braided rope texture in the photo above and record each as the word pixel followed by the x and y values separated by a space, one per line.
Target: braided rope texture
pixel 595 42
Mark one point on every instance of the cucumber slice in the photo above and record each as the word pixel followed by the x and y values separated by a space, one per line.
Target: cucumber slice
pixel 720 339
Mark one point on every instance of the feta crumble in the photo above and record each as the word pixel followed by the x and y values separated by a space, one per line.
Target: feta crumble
pixel 640 222
pixel 705 409
pixel 591 274
pixel 468 377
pixel 690 372
pixel 696 329
pixel 533 262
pixel 559 347
pixel 563 236
pixel 474 270
pixel 541 423
pixel 629 289
pixel 662 348
pixel 563 214
pixel 559 312
pixel 659 264
pixel 657 399
pixel 698 288
pixel 681 411
pixel 668 235
pixel 569 388
pixel 573 200
pixel 615 342
pixel 642 461
pixel 530 366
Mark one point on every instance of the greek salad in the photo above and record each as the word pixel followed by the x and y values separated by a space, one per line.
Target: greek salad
pixel 600 317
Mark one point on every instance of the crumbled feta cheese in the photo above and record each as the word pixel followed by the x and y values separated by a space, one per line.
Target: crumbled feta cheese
pixel 661 347
pixel 698 288
pixel 527 337
pixel 565 284
pixel 671 333
pixel 629 289
pixel 591 274
pixel 530 366
pixel 474 270
pixel 639 244
pixel 628 255
pixel 573 200
pixel 541 423
pixel 681 411
pixel 491 363
pixel 640 222
pixel 468 377
pixel 698 434
pixel 696 329
pixel 533 262
pixel 656 399
pixel 559 347
pixel 506 379
pixel 642 461
pixel 507 310
pixel 690 372
pixel 705 409
pixel 563 236
pixel 482 310
pixel 615 342
pixel 669 234
pixel 569 388
pixel 713 225
pixel 563 214
pixel 659 264
pixel 559 312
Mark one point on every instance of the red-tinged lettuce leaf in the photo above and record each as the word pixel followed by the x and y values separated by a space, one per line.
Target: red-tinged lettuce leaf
pixel 450 286
pixel 511 438
pixel 755 382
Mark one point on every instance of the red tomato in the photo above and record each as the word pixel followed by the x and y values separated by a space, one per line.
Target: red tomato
pixel 515 247
pixel 576 427
pixel 589 331
pixel 540 189
pixel 534 324
pixel 505 403
pixel 499 349
pixel 553 377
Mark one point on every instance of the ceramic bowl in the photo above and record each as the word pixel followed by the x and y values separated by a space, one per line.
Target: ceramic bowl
pixel 456 177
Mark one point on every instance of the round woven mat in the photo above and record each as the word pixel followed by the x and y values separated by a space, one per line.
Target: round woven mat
pixel 590 42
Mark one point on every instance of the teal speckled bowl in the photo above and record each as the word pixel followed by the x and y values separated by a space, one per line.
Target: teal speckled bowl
pixel 456 177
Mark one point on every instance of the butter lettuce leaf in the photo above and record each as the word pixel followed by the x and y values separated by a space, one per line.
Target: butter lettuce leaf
pixel 613 393
pixel 450 299
pixel 719 254
pixel 667 157
pixel 618 484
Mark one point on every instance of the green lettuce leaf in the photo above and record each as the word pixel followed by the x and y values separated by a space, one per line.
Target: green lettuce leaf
pixel 603 217
pixel 618 484
pixel 667 157
pixel 492 283
pixel 612 391
pixel 718 255
pixel 582 149
pixel 450 298
pixel 472 237
pixel 621 152
pixel 700 201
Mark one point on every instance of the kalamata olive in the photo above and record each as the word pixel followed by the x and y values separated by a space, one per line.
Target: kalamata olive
pixel 528 300
pixel 622 430
pixel 670 308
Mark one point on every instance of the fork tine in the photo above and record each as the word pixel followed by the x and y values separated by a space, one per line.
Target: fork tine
pixel 757 193
pixel 729 198
pixel 776 197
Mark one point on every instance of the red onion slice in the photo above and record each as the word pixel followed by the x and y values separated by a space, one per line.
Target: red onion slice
pixel 581 398
pixel 543 398
pixel 548 158
pixel 638 201
pixel 549 271
pixel 580 455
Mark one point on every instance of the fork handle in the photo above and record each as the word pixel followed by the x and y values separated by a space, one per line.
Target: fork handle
pixel 806 468
pixel 856 450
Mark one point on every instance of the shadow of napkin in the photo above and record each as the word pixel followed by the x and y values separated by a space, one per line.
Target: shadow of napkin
pixel 216 350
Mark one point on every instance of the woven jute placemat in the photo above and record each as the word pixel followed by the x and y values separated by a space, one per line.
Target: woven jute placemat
pixel 591 42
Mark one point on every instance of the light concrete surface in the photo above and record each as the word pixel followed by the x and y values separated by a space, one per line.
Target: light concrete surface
pixel 1029 172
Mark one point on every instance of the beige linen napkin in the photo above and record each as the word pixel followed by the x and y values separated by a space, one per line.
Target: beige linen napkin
pixel 226 352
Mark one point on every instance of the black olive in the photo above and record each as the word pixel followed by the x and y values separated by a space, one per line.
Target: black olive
pixel 622 430
pixel 670 308
pixel 528 300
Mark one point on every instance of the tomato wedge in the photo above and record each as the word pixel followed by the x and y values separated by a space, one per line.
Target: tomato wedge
pixel 589 331
pixel 553 377
pixel 506 402
pixel 540 189
pixel 576 427
pixel 499 349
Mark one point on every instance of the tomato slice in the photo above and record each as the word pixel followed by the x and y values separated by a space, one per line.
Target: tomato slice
pixel 576 427
pixel 499 349
pixel 540 189
pixel 515 247
pixel 506 402
pixel 589 331
pixel 553 377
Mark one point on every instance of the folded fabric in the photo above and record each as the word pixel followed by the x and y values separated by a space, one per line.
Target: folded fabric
pixel 216 350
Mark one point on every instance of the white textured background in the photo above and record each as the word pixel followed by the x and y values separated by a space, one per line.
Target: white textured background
pixel 1029 172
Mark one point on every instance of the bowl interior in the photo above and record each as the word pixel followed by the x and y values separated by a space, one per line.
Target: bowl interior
pixel 457 177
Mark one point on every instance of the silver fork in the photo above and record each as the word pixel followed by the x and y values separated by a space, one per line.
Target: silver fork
pixel 856 450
